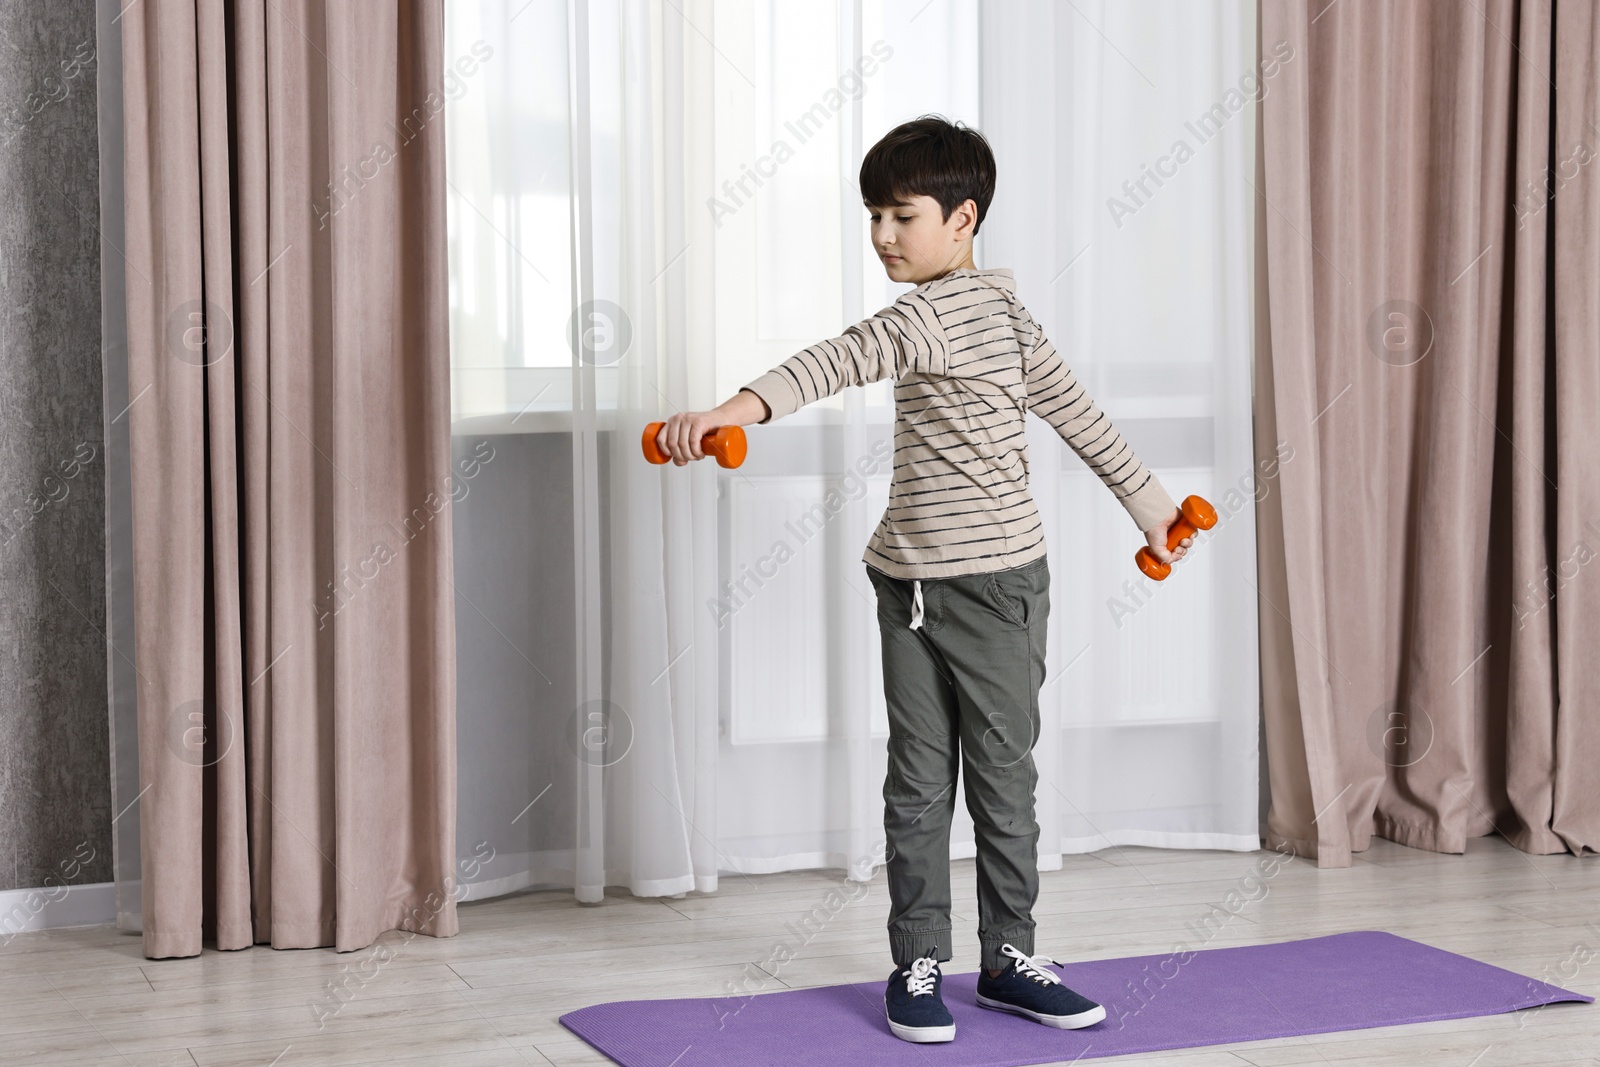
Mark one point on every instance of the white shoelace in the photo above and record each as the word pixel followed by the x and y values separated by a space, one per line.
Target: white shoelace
pixel 916 604
pixel 1033 966
pixel 919 976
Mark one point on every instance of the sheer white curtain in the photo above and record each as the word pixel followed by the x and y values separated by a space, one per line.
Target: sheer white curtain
pixel 587 752
pixel 667 674
pixel 1124 206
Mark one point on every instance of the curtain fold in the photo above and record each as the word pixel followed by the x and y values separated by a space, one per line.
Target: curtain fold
pixel 1431 236
pixel 291 472
pixel 637 818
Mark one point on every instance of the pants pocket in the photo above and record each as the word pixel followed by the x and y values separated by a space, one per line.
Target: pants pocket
pixel 1022 594
pixel 1011 608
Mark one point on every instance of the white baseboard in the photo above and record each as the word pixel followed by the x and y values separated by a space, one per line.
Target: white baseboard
pixel 53 907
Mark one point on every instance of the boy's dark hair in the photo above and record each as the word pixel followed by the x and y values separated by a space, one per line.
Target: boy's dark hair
pixel 930 156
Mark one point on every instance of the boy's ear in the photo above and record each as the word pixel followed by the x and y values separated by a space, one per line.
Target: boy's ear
pixel 966 215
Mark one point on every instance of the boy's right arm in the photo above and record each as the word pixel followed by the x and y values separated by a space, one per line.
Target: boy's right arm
pixel 904 338
pixel 746 400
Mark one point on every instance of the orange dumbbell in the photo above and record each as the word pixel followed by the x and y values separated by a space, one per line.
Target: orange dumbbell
pixel 728 444
pixel 1197 514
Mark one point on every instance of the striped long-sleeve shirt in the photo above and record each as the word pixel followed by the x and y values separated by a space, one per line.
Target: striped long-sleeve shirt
pixel 969 362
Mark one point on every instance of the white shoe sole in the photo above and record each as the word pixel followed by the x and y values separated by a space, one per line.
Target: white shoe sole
pixel 1060 1022
pixel 922 1035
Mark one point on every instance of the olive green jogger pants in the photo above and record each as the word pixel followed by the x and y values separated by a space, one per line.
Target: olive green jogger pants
pixel 963 662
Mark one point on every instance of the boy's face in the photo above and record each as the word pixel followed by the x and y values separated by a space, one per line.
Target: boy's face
pixel 917 243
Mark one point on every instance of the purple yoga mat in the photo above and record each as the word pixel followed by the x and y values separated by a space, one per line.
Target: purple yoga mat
pixel 1253 993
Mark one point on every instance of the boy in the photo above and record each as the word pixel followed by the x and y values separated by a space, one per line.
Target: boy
pixel 958 562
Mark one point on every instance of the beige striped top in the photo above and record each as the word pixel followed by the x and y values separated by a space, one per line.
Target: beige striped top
pixel 968 362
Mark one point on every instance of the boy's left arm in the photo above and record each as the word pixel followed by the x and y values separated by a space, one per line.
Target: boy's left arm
pixel 1060 399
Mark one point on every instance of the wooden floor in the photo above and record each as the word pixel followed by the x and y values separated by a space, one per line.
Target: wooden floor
pixel 492 995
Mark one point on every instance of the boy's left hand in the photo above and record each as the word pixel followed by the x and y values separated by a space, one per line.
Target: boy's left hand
pixel 1157 538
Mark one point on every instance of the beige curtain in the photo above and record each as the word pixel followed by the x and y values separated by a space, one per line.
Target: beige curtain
pixel 290 450
pixel 1429 354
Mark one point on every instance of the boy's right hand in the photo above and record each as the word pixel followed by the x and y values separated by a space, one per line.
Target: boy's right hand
pixel 680 436
pixel 682 433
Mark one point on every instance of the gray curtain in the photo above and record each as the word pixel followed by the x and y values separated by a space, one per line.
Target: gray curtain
pixel 1429 352
pixel 291 471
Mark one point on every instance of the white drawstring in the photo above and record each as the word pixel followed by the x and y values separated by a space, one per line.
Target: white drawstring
pixel 916 603
pixel 1031 966
pixel 919 976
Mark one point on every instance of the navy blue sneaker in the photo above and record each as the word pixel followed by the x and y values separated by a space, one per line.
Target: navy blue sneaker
pixel 912 1004
pixel 1027 987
